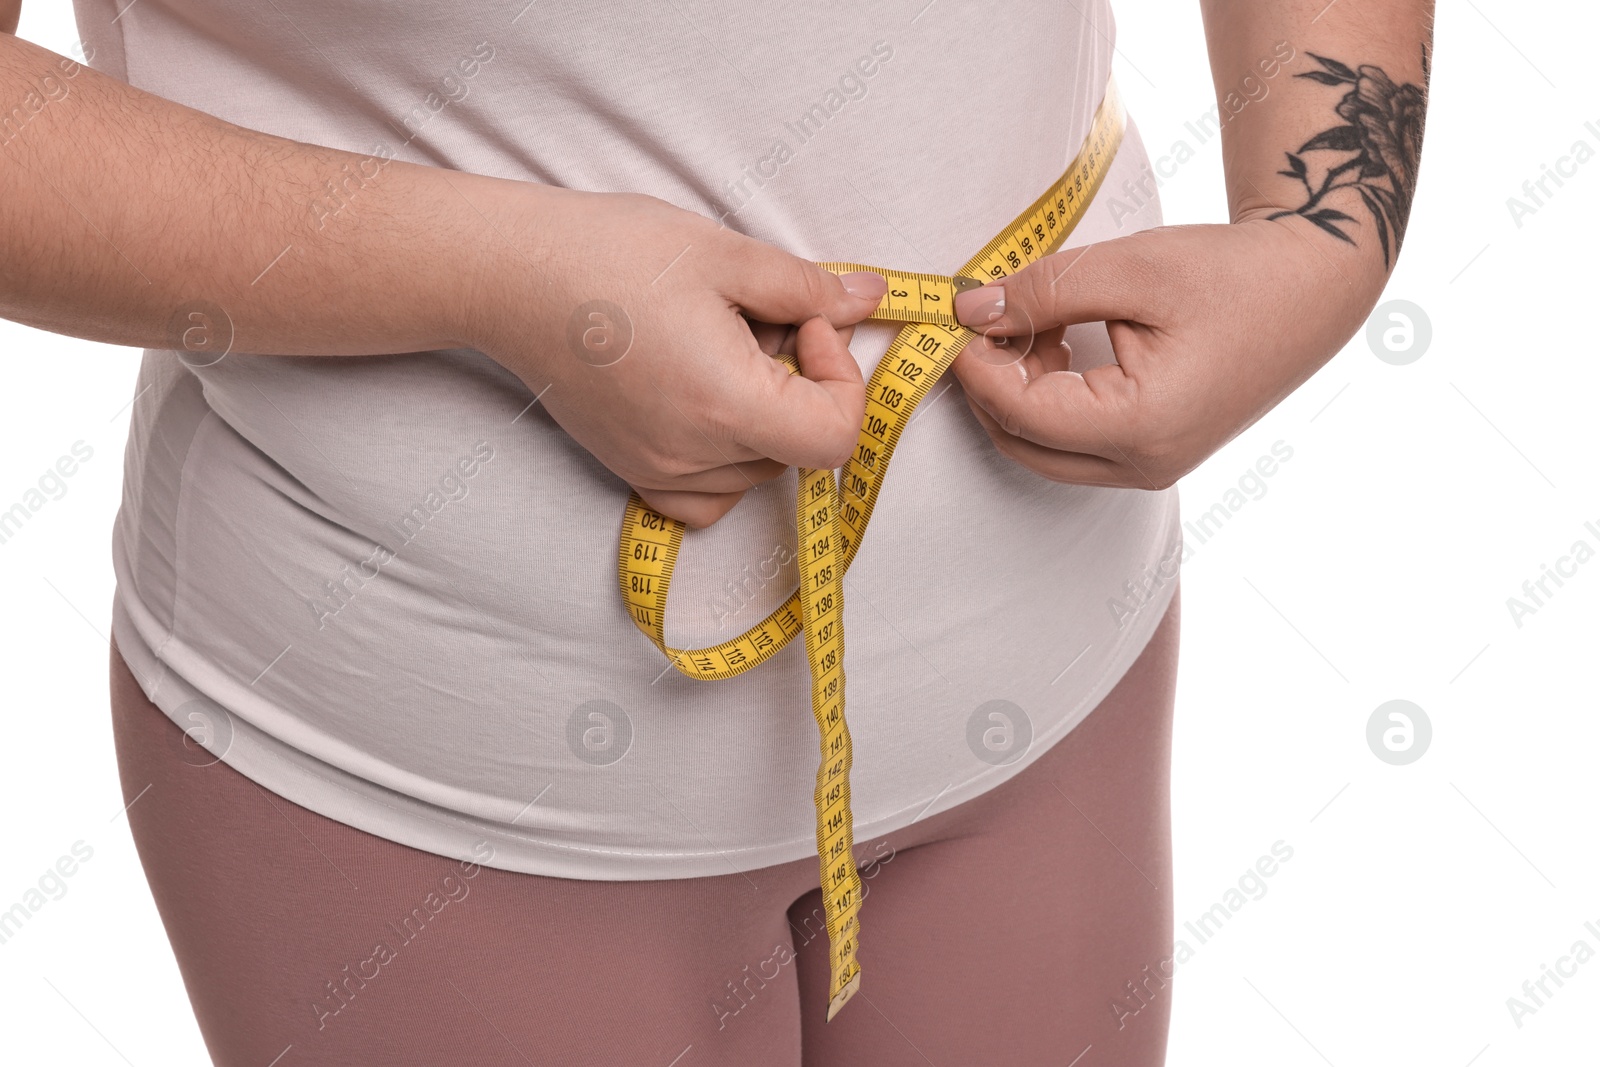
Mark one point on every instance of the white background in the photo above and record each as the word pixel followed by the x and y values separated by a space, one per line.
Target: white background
pixel 1377 566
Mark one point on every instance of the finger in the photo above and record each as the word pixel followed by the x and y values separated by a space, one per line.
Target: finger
pixel 1092 413
pixel 1074 468
pixel 775 286
pixel 790 340
pixel 771 339
pixel 772 336
pixel 1048 352
pixel 697 510
pixel 1051 352
pixel 777 339
pixel 1092 283
pixel 727 478
pixel 809 419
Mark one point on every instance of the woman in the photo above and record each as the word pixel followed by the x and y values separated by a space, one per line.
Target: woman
pixel 413 788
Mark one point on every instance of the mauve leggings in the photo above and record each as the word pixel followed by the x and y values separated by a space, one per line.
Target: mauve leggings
pixel 1021 927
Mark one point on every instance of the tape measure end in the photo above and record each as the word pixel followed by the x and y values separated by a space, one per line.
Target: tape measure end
pixel 841 998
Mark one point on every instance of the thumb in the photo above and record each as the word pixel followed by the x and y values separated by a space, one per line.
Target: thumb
pixel 1091 283
pixel 697 510
pixel 774 286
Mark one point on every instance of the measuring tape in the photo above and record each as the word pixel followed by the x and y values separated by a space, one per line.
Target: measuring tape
pixel 832 517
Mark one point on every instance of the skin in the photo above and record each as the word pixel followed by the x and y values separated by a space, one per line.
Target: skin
pixel 183 206
pixel 1211 325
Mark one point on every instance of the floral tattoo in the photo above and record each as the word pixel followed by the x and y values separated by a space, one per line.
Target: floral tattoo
pixel 1383 127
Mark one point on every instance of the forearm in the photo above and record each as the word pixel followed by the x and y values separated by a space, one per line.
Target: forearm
pixel 121 213
pixel 1297 145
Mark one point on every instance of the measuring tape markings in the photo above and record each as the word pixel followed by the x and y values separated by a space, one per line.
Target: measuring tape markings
pixel 832 517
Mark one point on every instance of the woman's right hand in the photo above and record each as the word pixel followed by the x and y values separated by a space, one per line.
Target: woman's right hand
pixel 631 320
pixel 413 258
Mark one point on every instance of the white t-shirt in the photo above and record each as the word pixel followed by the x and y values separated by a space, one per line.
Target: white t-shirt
pixel 385 587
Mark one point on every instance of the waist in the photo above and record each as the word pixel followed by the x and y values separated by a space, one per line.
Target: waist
pixel 435 648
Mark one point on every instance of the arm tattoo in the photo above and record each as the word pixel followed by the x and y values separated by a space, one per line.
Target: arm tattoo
pixel 1383 128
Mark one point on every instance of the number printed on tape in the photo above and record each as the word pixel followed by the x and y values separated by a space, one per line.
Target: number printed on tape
pixel 832 514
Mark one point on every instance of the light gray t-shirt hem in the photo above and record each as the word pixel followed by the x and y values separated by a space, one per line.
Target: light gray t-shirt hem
pixel 198 707
pixel 397 573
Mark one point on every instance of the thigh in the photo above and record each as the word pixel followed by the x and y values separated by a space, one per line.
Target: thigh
pixel 303 938
pixel 1040 926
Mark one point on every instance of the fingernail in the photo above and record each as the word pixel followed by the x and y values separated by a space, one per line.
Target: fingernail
pixel 979 307
pixel 866 284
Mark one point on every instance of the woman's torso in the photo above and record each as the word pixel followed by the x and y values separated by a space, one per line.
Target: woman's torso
pixel 400 579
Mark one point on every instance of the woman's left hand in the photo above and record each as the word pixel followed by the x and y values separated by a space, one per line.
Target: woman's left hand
pixel 1211 325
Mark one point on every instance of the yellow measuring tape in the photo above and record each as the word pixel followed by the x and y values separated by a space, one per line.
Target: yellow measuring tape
pixel 832 517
